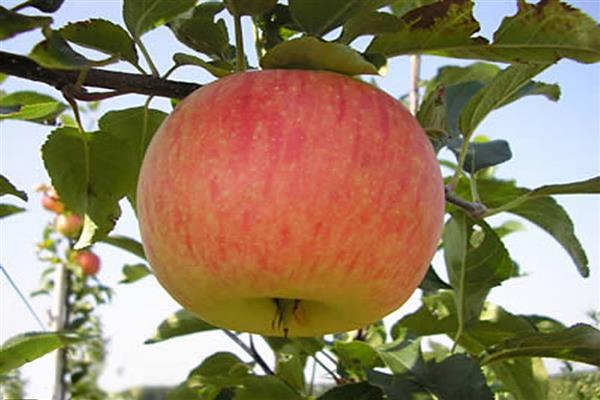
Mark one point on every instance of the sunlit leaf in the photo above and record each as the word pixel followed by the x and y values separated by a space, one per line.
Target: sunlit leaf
pixel 27 347
pixel 127 244
pixel 312 53
pixel 133 273
pixel 30 106
pixel 6 210
pixel 181 323
pixel 55 52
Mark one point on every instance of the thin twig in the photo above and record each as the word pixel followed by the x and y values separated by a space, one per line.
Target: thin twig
pixel 23 299
pixel 250 351
pixel 120 82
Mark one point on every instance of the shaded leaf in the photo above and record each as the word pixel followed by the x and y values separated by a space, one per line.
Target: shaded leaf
pixel 133 273
pixel 101 35
pixel 369 24
pixel 588 186
pixel 579 343
pixel 221 369
pixel 6 210
pixel 250 7
pixel 216 69
pixel 141 16
pixel 319 17
pixel 30 106
pixel 312 53
pixel 539 33
pixel 48 6
pixel 275 27
pixel 91 173
pixel 289 366
pixel 401 8
pixel 265 388
pixel 543 211
pixel 136 127
pixel 27 347
pixel 6 187
pixel 12 23
pixel 198 30
pixel 356 356
pixel 432 282
pixel 127 244
pixel 398 386
pixel 55 52
pixel 496 93
pixel 354 391
pixel 524 378
pixel 481 155
pixel 473 268
pixel 181 323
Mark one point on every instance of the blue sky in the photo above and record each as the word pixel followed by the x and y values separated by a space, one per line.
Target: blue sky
pixel 551 143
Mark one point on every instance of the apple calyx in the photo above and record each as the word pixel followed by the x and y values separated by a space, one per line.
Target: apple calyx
pixel 284 309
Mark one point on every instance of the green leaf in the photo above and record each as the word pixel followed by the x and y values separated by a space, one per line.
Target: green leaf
pixel 12 23
pixel 289 366
pixel 30 106
pixel 539 33
pixel 48 6
pixel 216 69
pixel 356 355
pixel 6 187
pixel 543 211
pixel 135 127
pixel 275 27
pixel 312 53
pixel 133 273
pixel 579 343
pixel 456 377
pixel 27 347
pixel 398 387
pixel 91 174
pixel 503 87
pixel 589 186
pixel 199 31
pixel 220 369
pixel 181 323
pixel 7 210
pixel 265 388
pixel 473 268
pixel 354 391
pixel 141 16
pixel 372 23
pixel 481 155
pixel 55 52
pixel 101 35
pixel 250 7
pixel 127 244
pixel 525 378
pixel 319 17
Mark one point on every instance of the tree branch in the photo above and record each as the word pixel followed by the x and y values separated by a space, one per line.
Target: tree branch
pixel 475 209
pixel 120 82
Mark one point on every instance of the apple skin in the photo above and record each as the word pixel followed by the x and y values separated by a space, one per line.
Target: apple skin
pixel 68 225
pixel 51 202
pixel 88 261
pixel 288 202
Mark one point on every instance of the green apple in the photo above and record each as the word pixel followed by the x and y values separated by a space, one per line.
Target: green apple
pixel 290 202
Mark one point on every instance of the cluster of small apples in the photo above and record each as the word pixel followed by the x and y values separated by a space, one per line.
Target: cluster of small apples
pixel 69 225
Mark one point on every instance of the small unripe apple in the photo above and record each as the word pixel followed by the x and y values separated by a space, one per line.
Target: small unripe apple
pixel 289 202
pixel 68 225
pixel 51 202
pixel 88 261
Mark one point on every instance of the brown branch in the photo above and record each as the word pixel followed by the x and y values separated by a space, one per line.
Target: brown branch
pixel 475 210
pixel 120 82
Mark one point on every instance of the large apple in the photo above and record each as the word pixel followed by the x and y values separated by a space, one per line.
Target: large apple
pixel 290 202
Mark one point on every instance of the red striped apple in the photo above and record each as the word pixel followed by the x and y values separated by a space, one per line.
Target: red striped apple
pixel 290 202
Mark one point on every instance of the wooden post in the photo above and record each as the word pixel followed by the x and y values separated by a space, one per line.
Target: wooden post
pixel 413 95
pixel 60 311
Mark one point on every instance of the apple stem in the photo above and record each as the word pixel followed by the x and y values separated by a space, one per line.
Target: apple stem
pixel 239 43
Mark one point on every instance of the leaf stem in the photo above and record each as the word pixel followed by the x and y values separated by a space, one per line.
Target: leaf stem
pixel 251 351
pixel 239 43
pixel 147 57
